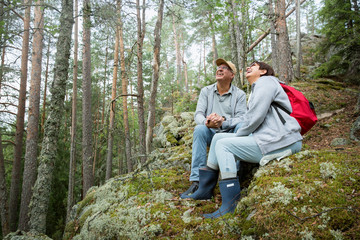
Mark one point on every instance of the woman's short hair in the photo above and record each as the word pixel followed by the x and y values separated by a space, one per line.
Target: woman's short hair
pixel 263 66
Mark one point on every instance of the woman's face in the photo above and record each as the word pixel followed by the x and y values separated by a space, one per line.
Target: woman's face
pixel 253 72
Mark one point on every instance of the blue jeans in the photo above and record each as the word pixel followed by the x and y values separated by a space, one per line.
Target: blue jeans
pixel 226 148
pixel 202 137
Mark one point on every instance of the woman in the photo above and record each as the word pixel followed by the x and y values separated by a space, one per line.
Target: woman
pixel 261 138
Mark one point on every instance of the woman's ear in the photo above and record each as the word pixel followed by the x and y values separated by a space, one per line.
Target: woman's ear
pixel 263 72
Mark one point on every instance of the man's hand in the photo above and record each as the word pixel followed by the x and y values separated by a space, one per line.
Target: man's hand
pixel 214 121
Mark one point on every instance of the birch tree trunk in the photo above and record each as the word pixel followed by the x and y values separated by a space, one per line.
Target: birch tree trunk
pixel 41 193
pixel 124 81
pixel 273 35
pixel 140 85
pixel 177 52
pixel 88 178
pixel 214 47
pixel 298 40
pixel 19 134
pixel 72 163
pixel 238 40
pixel 30 166
pixel 45 88
pixel 112 104
pixel 155 77
pixel 286 72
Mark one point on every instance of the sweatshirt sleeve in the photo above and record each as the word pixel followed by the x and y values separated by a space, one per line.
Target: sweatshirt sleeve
pixel 200 113
pixel 240 109
pixel 263 94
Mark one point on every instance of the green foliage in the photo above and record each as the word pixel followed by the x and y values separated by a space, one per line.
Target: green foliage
pixel 185 102
pixel 342 44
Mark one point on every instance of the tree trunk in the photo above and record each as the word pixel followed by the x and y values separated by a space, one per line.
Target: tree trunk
pixel 177 53
pixel 140 85
pixel 274 55
pixel 42 189
pixel 238 40
pixel 4 211
pixel 45 88
pixel 124 84
pixel 298 41
pixel 155 77
pixel 72 163
pixel 16 170
pixel 214 47
pixel 30 166
pixel 88 178
pixel 104 86
pixel 283 45
pixel 112 104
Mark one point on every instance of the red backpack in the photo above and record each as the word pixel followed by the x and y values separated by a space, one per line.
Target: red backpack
pixel 303 110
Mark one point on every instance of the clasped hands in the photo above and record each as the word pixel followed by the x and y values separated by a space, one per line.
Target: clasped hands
pixel 214 121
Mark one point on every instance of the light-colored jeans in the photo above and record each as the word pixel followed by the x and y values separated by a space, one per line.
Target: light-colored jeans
pixel 202 137
pixel 226 148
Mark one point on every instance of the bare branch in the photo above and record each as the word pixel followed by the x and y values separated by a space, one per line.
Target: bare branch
pixel 7 85
pixel 4 111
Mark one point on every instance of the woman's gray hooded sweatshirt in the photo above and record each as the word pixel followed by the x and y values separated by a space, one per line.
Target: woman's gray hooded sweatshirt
pixel 262 120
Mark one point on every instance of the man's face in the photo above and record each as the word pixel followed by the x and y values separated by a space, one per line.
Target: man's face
pixel 224 73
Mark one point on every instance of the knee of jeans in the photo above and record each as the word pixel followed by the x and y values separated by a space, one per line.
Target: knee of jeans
pixel 201 130
pixel 220 146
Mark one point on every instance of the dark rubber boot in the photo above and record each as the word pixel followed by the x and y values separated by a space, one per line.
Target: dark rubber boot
pixel 207 182
pixel 230 194
pixel 194 186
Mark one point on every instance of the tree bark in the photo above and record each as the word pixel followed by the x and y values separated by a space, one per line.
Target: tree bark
pixel 155 77
pixel 274 50
pixel 30 166
pixel 88 178
pixel 286 73
pixel 124 85
pixel 214 46
pixel 16 170
pixel 45 88
pixel 238 40
pixel 109 157
pixel 140 85
pixel 298 41
pixel 4 211
pixel 72 163
pixel 177 52
pixel 42 189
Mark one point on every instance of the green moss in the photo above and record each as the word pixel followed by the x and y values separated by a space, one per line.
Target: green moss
pixel 89 198
pixel 171 139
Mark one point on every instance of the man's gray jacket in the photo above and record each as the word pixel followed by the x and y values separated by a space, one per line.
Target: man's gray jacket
pixel 205 104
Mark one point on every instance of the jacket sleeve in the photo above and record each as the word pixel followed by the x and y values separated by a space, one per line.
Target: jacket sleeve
pixel 202 104
pixel 239 112
pixel 264 92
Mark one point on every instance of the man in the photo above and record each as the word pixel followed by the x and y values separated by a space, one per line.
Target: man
pixel 219 109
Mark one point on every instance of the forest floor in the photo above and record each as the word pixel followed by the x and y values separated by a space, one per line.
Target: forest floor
pixel 336 110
